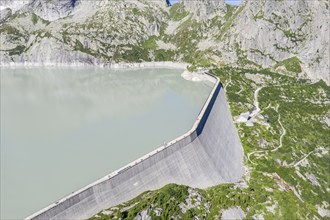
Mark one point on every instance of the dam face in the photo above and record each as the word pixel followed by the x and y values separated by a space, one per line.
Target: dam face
pixel 209 154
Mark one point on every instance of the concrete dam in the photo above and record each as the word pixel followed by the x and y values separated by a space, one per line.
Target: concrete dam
pixel 209 154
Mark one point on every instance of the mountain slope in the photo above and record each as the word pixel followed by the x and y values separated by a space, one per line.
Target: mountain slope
pixel 269 55
pixel 258 34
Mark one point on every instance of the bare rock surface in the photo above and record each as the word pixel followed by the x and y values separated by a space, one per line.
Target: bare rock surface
pixel 257 33
pixel 233 213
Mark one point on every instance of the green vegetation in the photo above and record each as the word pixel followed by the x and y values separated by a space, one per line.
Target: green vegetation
pixel 282 23
pixel 41 33
pixel 136 12
pixel 259 15
pixel 164 55
pixel 301 107
pixel 293 36
pixel 15 35
pixel 292 64
pixel 149 43
pixel 80 47
pixel 232 13
pixel 178 12
pixel 135 54
pixel 276 185
pixel 17 50
pixel 34 18
pixel 167 199
pixel 186 39
pixel 242 58
pixel 281 154
pixel 65 37
pixel 10 30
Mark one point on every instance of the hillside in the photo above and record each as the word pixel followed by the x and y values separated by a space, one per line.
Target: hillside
pixel 272 57
pixel 287 36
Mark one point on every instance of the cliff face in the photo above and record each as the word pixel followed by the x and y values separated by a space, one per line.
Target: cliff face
pixel 289 36
pixel 272 31
pixel 205 9
pixel 91 33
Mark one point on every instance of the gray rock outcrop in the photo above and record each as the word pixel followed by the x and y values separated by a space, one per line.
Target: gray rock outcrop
pixel 271 31
pixel 262 33
pixel 205 9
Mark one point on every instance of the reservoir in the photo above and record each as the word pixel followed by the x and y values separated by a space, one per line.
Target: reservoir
pixel 63 128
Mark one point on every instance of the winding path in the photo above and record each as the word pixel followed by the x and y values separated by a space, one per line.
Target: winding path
pixel 296 164
pixel 282 135
pixel 253 114
pixel 227 83
pixel 256 112
pixel 256 102
pixel 249 154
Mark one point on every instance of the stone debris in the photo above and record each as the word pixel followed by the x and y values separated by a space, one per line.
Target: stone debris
pixel 158 211
pixel 300 175
pixel 233 213
pixel 258 217
pixel 144 215
pixel 206 44
pixel 269 189
pixel 304 163
pixel 166 46
pixel 244 117
pixel 272 208
pixel 194 200
pixel 107 212
pixel 258 78
pixel 280 182
pixel 195 76
pixel 313 179
pixel 322 211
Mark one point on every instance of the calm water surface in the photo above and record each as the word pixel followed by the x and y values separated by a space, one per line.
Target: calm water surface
pixel 63 128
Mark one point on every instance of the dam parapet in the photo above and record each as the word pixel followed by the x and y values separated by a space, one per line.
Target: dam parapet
pixel 210 153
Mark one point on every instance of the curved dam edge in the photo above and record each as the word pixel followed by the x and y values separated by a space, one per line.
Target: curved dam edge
pixel 207 155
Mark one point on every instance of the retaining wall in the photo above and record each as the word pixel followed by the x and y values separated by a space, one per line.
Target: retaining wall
pixel 209 154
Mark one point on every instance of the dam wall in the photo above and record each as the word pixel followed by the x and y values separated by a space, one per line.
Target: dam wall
pixel 207 155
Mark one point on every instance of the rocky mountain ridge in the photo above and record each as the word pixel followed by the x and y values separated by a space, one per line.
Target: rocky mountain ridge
pixel 291 37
